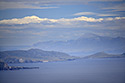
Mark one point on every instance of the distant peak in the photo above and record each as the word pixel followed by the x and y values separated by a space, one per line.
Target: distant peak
pixel 35 49
pixel 123 53
pixel 101 53
pixel 89 35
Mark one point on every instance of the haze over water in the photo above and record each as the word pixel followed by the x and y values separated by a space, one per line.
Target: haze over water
pixel 77 71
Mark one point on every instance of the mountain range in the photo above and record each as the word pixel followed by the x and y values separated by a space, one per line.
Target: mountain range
pixel 85 45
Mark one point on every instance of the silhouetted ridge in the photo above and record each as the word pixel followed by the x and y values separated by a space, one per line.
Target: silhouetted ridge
pixel 105 55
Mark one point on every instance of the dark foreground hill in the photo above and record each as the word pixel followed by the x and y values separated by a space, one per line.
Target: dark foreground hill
pixel 105 55
pixel 33 55
pixel 4 66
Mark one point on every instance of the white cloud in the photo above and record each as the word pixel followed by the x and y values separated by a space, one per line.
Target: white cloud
pixel 35 19
pixel 90 19
pixel 47 21
pixel 92 13
pixel 84 13
pixel 116 18
pixel 26 20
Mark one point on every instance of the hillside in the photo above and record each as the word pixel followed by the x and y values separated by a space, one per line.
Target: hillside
pixel 33 55
pixel 105 55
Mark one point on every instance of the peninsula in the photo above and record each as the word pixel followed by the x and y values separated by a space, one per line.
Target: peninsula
pixel 4 66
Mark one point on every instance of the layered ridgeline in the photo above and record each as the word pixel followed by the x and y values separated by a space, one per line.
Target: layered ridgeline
pixel 86 45
pixel 33 55
pixel 105 55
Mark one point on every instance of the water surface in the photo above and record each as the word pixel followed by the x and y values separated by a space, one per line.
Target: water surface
pixel 77 71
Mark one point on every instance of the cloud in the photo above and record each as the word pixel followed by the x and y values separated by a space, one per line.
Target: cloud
pixel 36 4
pixel 90 19
pixel 84 13
pixel 107 14
pixel 116 18
pixel 56 1
pixel 21 5
pixel 118 7
pixel 92 13
pixel 33 29
pixel 47 21
pixel 26 20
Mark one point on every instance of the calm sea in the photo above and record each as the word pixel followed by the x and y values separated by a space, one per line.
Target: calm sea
pixel 77 71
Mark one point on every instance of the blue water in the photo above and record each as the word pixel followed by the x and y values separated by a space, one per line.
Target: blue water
pixel 77 71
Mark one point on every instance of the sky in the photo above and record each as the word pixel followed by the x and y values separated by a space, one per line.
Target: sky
pixel 25 22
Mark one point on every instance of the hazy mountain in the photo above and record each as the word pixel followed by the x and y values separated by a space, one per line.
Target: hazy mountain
pixel 33 55
pixel 85 45
pixel 105 55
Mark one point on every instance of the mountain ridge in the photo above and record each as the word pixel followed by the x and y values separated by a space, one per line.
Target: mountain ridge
pixel 104 55
pixel 33 55
pixel 86 45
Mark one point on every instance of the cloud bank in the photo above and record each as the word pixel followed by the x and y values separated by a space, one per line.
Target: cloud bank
pixel 35 19
pixel 34 29
pixel 36 4
pixel 22 5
